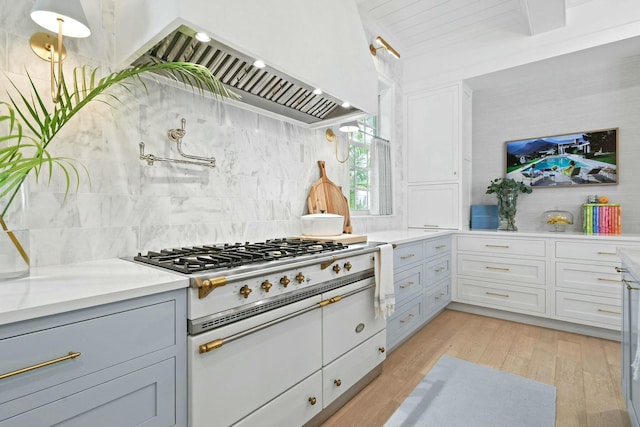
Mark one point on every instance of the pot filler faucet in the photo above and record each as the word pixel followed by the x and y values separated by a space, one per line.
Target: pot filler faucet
pixel 176 135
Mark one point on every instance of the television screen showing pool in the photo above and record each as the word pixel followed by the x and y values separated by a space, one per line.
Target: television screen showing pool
pixel 585 158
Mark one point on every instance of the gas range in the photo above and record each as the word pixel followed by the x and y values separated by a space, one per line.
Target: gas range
pixel 231 282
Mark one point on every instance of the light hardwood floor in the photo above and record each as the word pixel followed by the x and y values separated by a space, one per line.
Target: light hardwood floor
pixel 585 370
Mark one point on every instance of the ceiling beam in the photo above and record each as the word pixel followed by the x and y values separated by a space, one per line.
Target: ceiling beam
pixel 544 15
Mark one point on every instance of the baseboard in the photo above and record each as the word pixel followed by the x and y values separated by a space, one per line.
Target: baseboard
pixel 575 328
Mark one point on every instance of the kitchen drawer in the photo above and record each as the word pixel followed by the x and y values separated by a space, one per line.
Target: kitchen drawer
pixel 502 246
pixel 406 254
pixel 102 342
pixel 514 298
pixel 592 251
pixel 531 271
pixel 346 371
pixel 404 321
pixel 437 269
pixel 293 407
pixel 439 297
pixel 408 283
pixel 145 396
pixel 436 247
pixel 589 277
pixel 601 311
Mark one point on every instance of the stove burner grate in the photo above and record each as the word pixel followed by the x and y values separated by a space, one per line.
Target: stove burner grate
pixel 214 257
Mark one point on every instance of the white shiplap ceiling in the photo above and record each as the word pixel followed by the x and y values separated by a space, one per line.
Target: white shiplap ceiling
pixel 416 27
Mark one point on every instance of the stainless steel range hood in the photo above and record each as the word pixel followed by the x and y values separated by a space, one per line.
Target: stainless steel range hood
pixel 306 44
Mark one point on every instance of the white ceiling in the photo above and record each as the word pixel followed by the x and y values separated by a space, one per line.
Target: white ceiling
pixel 416 27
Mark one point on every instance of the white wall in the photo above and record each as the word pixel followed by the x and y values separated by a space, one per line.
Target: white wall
pixel 588 95
pixel 258 191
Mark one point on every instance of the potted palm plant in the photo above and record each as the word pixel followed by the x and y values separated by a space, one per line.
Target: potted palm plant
pixel 32 127
pixel 507 190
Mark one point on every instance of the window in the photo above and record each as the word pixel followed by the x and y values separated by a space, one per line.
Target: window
pixel 360 164
pixel 370 163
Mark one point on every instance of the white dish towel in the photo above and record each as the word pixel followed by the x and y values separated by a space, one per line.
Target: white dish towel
pixel 385 299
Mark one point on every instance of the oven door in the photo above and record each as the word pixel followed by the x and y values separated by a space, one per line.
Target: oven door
pixel 349 321
pixel 258 358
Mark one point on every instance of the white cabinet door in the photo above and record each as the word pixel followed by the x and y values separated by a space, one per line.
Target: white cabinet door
pixel 433 135
pixel 433 206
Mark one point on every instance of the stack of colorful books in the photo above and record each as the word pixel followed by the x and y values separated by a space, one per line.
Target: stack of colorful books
pixel 602 218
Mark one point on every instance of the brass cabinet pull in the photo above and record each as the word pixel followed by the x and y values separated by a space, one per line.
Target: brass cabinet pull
pixel 620 270
pixel 601 310
pixel 313 400
pixel 406 319
pixel 497 246
pixel 606 253
pixel 627 284
pixel 604 279
pixel 498 295
pixel 71 355
pixel 381 349
pixel 408 256
pixel 338 383
pixel 488 267
pixel 407 285
pixel 439 296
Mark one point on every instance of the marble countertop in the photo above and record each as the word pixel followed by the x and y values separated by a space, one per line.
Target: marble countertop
pixel 406 235
pixel 57 289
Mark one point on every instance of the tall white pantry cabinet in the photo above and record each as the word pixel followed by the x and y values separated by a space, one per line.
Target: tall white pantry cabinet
pixel 438 157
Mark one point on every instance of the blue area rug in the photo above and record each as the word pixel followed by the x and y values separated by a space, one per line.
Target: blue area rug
pixel 457 393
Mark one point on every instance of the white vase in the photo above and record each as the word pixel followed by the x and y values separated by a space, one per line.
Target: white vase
pixel 14 234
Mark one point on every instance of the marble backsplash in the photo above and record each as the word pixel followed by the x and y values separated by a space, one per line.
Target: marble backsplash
pixel 258 190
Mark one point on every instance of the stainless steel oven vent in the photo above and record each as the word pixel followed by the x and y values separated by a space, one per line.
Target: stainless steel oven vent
pixel 264 88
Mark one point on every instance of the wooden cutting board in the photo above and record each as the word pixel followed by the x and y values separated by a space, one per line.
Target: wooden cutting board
pixel 347 239
pixel 325 196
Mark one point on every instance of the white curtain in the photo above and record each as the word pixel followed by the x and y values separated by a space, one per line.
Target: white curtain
pixel 382 150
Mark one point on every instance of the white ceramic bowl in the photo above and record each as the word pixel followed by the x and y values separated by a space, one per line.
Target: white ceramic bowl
pixel 322 224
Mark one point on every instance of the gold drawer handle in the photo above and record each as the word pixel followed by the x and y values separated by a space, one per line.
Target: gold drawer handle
pixel 211 345
pixel 498 295
pixel 71 355
pixel 498 246
pixel 406 319
pixel 407 285
pixel 606 253
pixel 601 310
pixel 496 268
pixel 408 256
pixel 604 279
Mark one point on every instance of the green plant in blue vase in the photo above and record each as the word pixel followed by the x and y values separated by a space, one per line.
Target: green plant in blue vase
pixel 507 190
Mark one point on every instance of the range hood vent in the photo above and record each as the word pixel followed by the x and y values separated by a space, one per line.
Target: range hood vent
pixel 264 88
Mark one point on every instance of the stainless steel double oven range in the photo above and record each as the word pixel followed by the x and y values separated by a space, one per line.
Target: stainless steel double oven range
pixel 279 332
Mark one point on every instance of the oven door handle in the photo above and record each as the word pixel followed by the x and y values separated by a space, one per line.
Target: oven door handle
pixel 337 298
pixel 215 344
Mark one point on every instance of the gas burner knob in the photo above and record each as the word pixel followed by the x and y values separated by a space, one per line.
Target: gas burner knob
pixel 285 281
pixel 245 291
pixel 336 268
pixel 266 285
pixel 300 277
pixel 348 266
